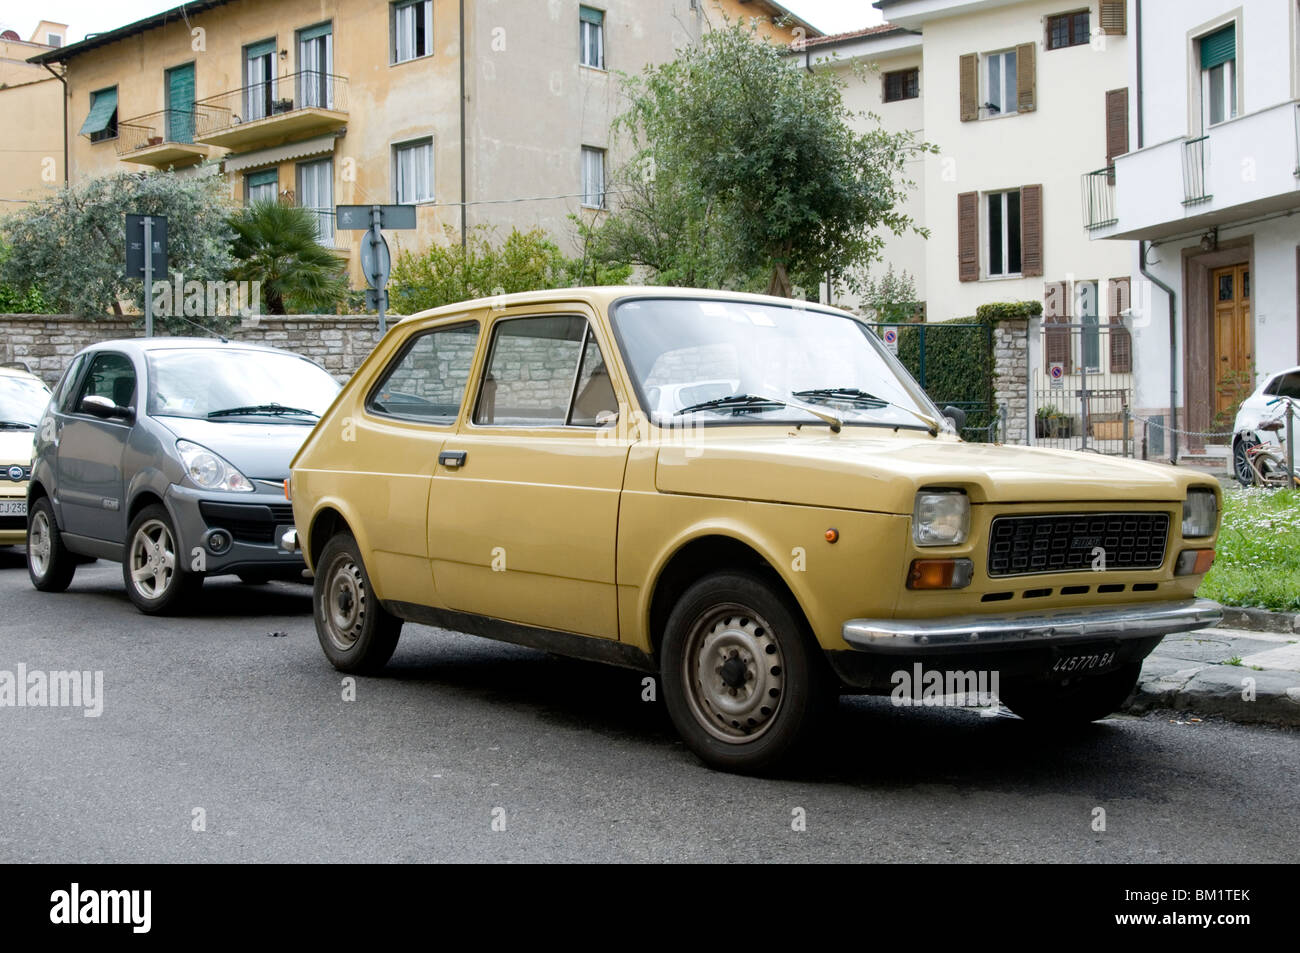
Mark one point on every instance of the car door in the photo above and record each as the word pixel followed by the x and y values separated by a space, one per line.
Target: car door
pixel 89 479
pixel 523 512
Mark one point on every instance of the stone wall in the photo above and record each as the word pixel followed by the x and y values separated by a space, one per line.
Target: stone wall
pixel 1011 377
pixel 47 342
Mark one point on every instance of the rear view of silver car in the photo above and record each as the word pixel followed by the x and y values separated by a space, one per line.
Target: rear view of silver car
pixel 169 456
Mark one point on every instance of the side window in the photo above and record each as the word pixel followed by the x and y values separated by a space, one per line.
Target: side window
pixel 427 382
pixel 544 372
pixel 1288 385
pixel 67 381
pixel 111 376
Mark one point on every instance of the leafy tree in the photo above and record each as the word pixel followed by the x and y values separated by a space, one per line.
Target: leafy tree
pixel 13 301
pixel 890 298
pixel 72 245
pixel 277 245
pixel 744 164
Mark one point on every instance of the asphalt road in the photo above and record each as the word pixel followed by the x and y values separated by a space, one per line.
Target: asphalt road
pixel 213 712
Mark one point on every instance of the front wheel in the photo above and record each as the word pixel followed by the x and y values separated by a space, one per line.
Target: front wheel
pixel 49 564
pixel 1076 701
pixel 153 566
pixel 744 681
pixel 1241 467
pixel 356 632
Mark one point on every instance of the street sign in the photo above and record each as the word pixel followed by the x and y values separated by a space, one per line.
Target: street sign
pixel 377 299
pixel 1056 376
pixel 361 217
pixel 891 339
pixel 135 245
pixel 376 261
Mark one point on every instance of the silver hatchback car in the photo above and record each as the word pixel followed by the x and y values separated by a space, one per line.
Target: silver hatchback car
pixel 169 456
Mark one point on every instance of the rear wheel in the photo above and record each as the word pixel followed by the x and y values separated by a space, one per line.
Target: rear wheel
pixel 357 633
pixel 153 566
pixel 1241 467
pixel 49 564
pixel 1076 701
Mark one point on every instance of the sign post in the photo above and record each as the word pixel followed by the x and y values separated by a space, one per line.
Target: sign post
pixel 376 261
pixel 146 255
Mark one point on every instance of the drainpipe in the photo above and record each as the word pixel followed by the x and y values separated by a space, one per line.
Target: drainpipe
pixel 64 81
pixel 463 192
pixel 1173 350
pixel 1137 40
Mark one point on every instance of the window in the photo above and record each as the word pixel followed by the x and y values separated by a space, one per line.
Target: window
pixel 262 186
pixel 259 80
pixel 316 192
pixel 413 172
pixel 64 388
pixel 1085 306
pixel 101 121
pixel 54 39
pixel 1218 52
pixel 1068 29
pixel 902 84
pixel 593 177
pixel 412 30
pixel 1003 233
pixel 544 372
pixel 1000 83
pixel 1285 385
pixel 111 376
pixel 591 35
pixel 427 383
pixel 316 66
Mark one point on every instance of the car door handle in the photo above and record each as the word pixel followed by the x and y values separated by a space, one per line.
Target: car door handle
pixel 452 458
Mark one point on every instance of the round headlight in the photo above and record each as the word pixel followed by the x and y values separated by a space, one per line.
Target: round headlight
pixel 209 470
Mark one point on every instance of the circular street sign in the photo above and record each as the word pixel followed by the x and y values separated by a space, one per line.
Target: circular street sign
pixel 369 266
pixel 891 336
pixel 1057 371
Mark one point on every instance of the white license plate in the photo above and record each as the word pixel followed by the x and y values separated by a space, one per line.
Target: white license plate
pixel 13 507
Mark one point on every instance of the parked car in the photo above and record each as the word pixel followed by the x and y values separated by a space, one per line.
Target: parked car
pixel 496 468
pixel 1258 409
pixel 169 455
pixel 23 397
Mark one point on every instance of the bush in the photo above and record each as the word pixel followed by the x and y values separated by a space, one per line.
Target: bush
pixel 958 368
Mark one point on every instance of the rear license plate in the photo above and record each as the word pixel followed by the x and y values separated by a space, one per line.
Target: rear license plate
pixel 1084 662
pixel 13 507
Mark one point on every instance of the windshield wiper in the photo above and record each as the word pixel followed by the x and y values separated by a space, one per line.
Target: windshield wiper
pixel 16 425
pixel 251 409
pixel 854 395
pixel 742 401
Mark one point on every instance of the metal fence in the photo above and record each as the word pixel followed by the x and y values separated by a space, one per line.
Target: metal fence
pixel 153 129
pixel 1099 198
pixel 307 89
pixel 1196 153
pixel 1084 392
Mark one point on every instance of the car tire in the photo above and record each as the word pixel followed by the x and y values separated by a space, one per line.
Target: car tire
pixel 1073 702
pixel 1241 467
pixel 49 564
pixel 153 564
pixel 357 634
pixel 744 680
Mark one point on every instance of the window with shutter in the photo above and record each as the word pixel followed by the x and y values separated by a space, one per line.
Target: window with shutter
pixel 968 237
pixel 1056 320
pixel 969 81
pixel 1121 344
pixel 1116 126
pixel 1114 17
pixel 1026 77
pixel 1031 230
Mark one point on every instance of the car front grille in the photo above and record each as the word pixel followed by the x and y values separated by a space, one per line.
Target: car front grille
pixel 1067 542
pixel 13 522
pixel 247 522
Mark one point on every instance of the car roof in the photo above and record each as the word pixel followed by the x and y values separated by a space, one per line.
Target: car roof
pixel 147 345
pixel 9 371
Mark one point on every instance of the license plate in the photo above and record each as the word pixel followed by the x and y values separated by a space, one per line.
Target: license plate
pixel 1084 662
pixel 13 507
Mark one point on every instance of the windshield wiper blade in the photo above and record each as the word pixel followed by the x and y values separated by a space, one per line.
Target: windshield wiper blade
pixel 262 409
pixel 16 425
pixel 842 393
pixel 742 401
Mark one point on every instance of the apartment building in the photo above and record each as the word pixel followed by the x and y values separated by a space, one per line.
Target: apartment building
pixel 1205 203
pixel 328 102
pixel 31 163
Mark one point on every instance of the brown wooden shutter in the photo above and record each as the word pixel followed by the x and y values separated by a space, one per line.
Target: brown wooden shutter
pixel 968 236
pixel 1026 94
pixel 1116 124
pixel 1121 344
pixel 1056 321
pixel 969 79
pixel 1031 230
pixel 1114 17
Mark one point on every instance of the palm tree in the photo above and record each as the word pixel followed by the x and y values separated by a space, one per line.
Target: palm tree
pixel 277 245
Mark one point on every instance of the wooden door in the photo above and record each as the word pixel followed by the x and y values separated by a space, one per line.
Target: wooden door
pixel 1233 345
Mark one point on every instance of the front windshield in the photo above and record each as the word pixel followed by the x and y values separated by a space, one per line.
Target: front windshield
pixel 238 384
pixel 22 401
pixel 697 361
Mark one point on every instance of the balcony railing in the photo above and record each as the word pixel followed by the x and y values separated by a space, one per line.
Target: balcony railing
pixel 1196 157
pixel 1099 198
pixel 153 129
pixel 278 98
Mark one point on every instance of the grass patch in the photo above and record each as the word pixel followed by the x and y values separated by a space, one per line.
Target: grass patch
pixel 1258 558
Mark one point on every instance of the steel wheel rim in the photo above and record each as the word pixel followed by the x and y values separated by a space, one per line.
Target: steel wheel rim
pixel 153 559
pixel 344 608
pixel 734 674
pixel 39 544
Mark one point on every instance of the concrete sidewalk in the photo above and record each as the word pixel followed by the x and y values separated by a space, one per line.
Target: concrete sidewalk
pixel 1242 675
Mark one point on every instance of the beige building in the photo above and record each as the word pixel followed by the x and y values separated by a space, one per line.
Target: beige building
pixel 31 105
pixel 329 102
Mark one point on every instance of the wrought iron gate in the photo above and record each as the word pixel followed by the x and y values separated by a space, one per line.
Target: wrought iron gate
pixel 1083 388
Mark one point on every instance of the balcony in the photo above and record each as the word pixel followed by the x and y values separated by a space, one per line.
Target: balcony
pixel 161 139
pixel 299 104
pixel 1099 199
pixel 1243 168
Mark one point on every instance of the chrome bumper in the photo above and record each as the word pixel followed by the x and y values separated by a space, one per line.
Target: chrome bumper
pixel 1135 621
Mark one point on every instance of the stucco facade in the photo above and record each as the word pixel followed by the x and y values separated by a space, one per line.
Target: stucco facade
pixel 31 103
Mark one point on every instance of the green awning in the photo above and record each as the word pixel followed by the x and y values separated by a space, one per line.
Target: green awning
pixel 312 32
pixel 254 50
pixel 267 177
pixel 1219 47
pixel 102 106
pixel 590 15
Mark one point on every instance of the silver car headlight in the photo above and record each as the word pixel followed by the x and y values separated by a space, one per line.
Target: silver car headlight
pixel 940 518
pixel 1200 513
pixel 210 470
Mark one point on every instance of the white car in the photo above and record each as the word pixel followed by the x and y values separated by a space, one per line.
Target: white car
pixel 1257 409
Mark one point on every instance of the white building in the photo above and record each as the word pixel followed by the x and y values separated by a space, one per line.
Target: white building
pixel 1210 190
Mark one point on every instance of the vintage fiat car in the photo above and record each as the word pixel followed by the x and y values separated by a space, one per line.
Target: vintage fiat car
pixel 497 467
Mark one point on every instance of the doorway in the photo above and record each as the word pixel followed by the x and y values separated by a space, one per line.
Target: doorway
pixel 1233 344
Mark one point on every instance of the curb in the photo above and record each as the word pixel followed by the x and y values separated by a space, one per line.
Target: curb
pixel 1259 620
pixel 1220 690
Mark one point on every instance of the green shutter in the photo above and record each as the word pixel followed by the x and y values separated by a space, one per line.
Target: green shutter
pixel 312 32
pixel 591 16
pixel 267 177
pixel 180 104
pixel 102 106
pixel 254 50
pixel 1219 47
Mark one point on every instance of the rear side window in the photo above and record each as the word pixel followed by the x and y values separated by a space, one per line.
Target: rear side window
pixel 427 382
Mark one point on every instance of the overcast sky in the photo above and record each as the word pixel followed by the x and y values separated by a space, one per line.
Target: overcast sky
pixel 96 16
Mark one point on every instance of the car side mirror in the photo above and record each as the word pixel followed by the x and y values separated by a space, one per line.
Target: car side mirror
pixel 956 415
pixel 104 408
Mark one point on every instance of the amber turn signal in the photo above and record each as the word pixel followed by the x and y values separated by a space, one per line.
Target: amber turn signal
pixel 288 494
pixel 1194 562
pixel 940 574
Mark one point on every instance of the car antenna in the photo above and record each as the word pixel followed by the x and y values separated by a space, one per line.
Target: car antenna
pixel 219 336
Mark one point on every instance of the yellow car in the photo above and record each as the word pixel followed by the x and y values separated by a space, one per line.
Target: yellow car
pixel 23 398
pixel 542 469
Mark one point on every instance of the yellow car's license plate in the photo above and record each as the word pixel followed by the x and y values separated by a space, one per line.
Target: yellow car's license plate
pixel 13 507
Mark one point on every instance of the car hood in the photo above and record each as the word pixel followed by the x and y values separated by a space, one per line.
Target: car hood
pixel 881 472
pixel 257 450
pixel 16 447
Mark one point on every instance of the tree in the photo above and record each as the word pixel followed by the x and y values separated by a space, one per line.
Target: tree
pixel 30 300
pixel 744 163
pixel 277 245
pixel 72 245
pixel 891 298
